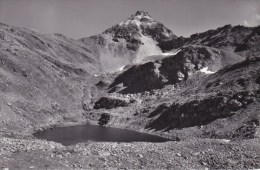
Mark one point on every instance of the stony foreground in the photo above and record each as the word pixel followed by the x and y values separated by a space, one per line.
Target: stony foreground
pixel 28 153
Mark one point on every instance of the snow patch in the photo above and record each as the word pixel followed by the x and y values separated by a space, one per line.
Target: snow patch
pixel 121 23
pixel 127 22
pixel 138 23
pixel 121 68
pixel 225 140
pixel 206 71
pixel 171 53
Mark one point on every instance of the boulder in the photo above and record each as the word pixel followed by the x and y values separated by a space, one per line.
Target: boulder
pixel 109 103
pixel 104 119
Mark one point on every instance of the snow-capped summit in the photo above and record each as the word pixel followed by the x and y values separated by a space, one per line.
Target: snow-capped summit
pixel 141 23
pixel 129 41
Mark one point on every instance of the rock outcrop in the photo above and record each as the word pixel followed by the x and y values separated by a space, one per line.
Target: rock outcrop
pixel 201 112
pixel 109 103
pixel 104 119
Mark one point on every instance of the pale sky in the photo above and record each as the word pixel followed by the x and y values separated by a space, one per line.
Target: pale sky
pixel 82 18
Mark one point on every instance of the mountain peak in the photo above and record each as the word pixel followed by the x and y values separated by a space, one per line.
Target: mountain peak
pixel 142 13
pixel 141 16
pixel 140 24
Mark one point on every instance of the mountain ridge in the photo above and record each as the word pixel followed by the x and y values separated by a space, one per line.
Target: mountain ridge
pixel 233 38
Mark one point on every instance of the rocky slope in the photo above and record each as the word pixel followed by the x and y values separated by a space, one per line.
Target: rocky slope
pixel 174 69
pixel 41 75
pixel 129 41
pixel 222 105
pixel 228 100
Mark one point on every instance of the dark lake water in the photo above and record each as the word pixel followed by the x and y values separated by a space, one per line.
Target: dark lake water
pixel 83 133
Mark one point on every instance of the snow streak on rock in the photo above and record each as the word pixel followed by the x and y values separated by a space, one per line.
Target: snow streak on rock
pixel 206 71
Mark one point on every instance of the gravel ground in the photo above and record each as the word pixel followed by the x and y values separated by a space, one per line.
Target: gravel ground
pixel 29 153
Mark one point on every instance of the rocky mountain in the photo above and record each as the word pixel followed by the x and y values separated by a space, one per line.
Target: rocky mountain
pixel 53 77
pixel 129 42
pixel 239 39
